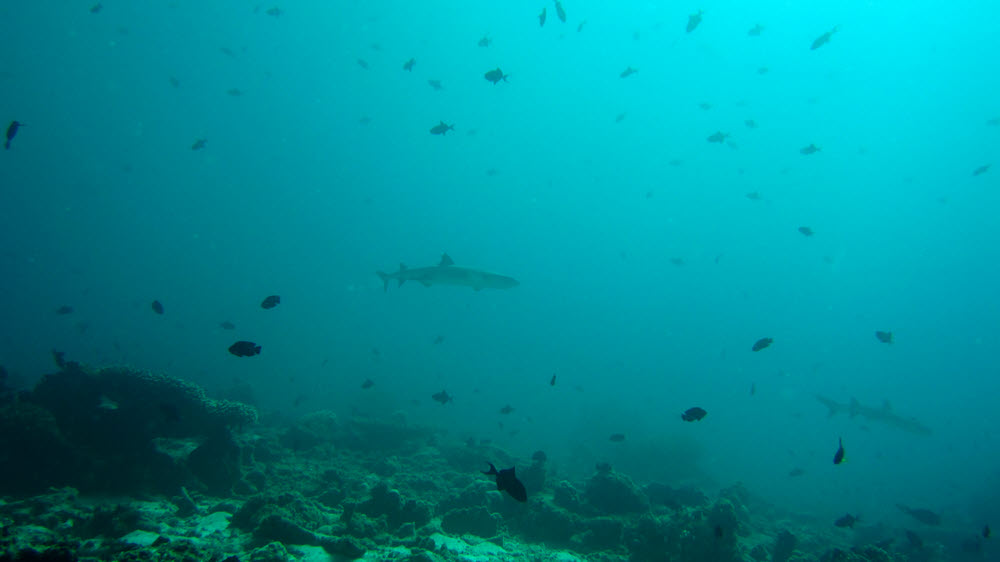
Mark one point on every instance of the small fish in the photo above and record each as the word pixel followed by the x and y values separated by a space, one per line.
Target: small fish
pixel 795 472
pixel 763 70
pixel 823 39
pixel 753 388
pixel 364 120
pixel 994 122
pixel 227 325
pixel 925 516
pixel 60 358
pixel 12 132
pixel 441 128
pixel 367 384
pixel 506 409
pixel 981 170
pixel 914 539
pixel 677 261
pixel 838 457
pixel 496 76
pixel 986 532
pixel 363 63
pixel 619 118
pixel 750 123
pixel 235 92
pixel 438 340
pixel 552 382
pixel 157 307
pixel 755 30
pixel 717 136
pixel 274 12
pixel 244 349
pixel 694 20
pixel 270 302
pixel 485 41
pixel 705 106
pixel 507 482
pixel 174 81
pixel 96 8
pixel 629 71
pixel 492 172
pixel 762 343
pixel 541 18
pixel 436 84
pixel 617 437
pixel 579 28
pixel 806 231
pixel 847 520
pixel 199 144
pixel 64 310
pixel 754 196
pixel 408 65
pixel 811 149
pixel 884 337
pixel 693 414
pixel 442 397
pixel 227 51
pixel 560 13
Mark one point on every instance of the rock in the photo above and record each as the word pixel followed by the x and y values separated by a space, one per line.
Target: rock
pixel 140 538
pixel 546 523
pixel 603 533
pixel 567 497
pixel 216 462
pixel 661 494
pixel 784 545
pixel 473 520
pixel 342 546
pixel 273 552
pixel 614 494
pixel 274 527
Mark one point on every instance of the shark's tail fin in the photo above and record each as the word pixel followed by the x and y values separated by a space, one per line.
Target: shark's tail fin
pixel 385 280
pixel 830 404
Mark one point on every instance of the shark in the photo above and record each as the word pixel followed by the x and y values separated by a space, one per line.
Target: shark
pixel 883 415
pixel 447 273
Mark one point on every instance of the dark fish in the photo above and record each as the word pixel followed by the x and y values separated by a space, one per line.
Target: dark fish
pixel 579 28
pixel 64 310
pixel 762 343
pixel 754 196
pixel 364 120
pixel 438 340
pixel 846 521
pixel 705 106
pixel 408 65
pixel 227 325
pixel 507 482
pixel 496 75
pixel 986 532
pixel 806 231
pixel 12 132
pixel 539 457
pixel 677 261
pixel 796 472
pixel 244 349
pixel 811 149
pixel 925 516
pixel 980 170
pixel 619 118
pixel 541 18
pixel 367 384
pixel 717 136
pixel 96 8
pixel 271 302
pixel 693 414
pixel 174 82
pixel 157 307
pixel 553 381
pixel 485 41
pixel 363 63
pixel 227 51
pixel 694 20
pixel 617 437
pixel 993 122
pixel 436 84
pixel 753 388
pixel 442 397
pixel 763 70
pixel 750 123
pixel 560 13
pixel 506 409
pixel 838 457
pixel 823 39
pixel 915 540
pixel 629 71
pixel 235 92
pixel 199 144
pixel 275 11
pixel 755 30
pixel 441 128
pixel 60 358
pixel 884 337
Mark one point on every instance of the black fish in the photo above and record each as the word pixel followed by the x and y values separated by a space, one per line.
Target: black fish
pixel 11 132
pixel 367 384
pixel 693 414
pixel 506 409
pixel 64 309
pixel 846 521
pixel 981 170
pixel 717 136
pixel 560 12
pixel 275 11
pixel 553 381
pixel 235 92
pixel 986 531
pixel 617 437
pixel 485 41
pixel 507 482
pixel 436 84
pixel 884 337
pixel 755 30
pixel 925 516
pixel 363 63
pixel 442 128
pixel 541 18
pixel 96 8
pixel 694 20
pixel 838 457
pixel 806 231
pixel 796 472
pixel 271 302
pixel 496 76
pixel 442 397
pixel 629 71
pixel 244 349
pixel 718 531
pixel 227 325
pixel 199 144
pixel 408 65
pixel 60 358
pixel 157 307
pixel 438 340
pixel 761 344
pixel 823 39
pixel 811 149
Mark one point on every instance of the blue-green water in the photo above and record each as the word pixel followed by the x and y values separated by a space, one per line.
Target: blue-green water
pixel 106 207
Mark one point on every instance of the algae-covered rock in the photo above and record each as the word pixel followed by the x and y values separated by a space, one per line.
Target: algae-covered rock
pixel 275 527
pixel 567 497
pixel 34 454
pixel 784 546
pixel 550 524
pixel 613 493
pixel 675 498
pixel 216 463
pixel 397 510
pixel 602 533
pixel 272 552
pixel 474 521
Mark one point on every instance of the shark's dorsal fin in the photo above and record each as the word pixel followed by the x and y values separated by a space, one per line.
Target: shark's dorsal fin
pixel 446 261
pixel 402 266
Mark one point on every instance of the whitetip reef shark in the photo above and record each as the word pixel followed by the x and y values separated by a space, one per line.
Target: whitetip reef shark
pixel 447 273
pixel 883 415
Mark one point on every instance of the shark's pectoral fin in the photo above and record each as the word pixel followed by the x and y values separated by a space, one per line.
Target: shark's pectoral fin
pixel 425 283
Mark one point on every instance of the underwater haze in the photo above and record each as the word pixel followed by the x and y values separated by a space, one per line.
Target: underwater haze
pixel 735 186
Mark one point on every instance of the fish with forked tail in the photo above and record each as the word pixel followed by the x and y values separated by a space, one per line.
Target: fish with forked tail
pixel 447 273
pixel 883 415
pixel 507 482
